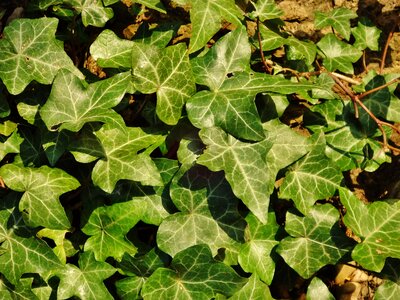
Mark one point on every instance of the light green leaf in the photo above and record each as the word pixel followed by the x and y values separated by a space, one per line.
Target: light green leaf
pixel 85 282
pixel 326 83
pixel 337 54
pixel 374 224
pixel 193 274
pixel 254 256
pixel 153 4
pixel 7 127
pixel 339 18
pixel 167 72
pixel 208 213
pixel 366 35
pixel 206 17
pixel 10 145
pixel 122 160
pixel 107 228
pixel 20 252
pixel 232 107
pixel 86 147
pixel 254 289
pixel 318 290
pixel 42 188
pixel 299 50
pixel 130 287
pixel 265 10
pixel 93 12
pixel 390 288
pixel 244 165
pixel 72 102
pixel 312 178
pixel 315 240
pixel 229 55
pixel 29 51
pixel 270 40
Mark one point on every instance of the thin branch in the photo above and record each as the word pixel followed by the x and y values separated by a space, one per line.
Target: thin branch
pixel 384 54
pixel 266 66
pixel 345 78
pixel 378 88
pixel 364 62
pixel 348 91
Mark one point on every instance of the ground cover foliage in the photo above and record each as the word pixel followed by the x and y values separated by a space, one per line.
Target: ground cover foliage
pixel 151 150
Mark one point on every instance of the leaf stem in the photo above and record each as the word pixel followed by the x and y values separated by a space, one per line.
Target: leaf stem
pixel 268 69
pixel 378 88
pixel 384 54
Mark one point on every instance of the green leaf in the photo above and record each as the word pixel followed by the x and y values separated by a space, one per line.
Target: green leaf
pixel 107 228
pixel 10 145
pixel 72 102
pixel 206 17
pixel 254 256
pixel 122 160
pixel 153 4
pixel 22 253
pixel 229 55
pixel 54 144
pixel 4 107
pixel 130 287
pixel 208 213
pixel 366 35
pixel 254 289
pixel 312 178
pixel 93 12
pixel 339 18
pixel 315 240
pixel 299 50
pixel 232 107
pixel 374 224
pixel 42 188
pixel 193 274
pixel 86 147
pixel 167 72
pixel 85 282
pixel 29 51
pixel 337 54
pixel 270 40
pixel 244 165
pixel 390 288
pixel 265 10
pixel 318 290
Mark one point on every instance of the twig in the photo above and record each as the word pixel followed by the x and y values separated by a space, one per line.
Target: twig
pixel 384 54
pixel 345 78
pixel 378 88
pixel 266 66
pixel 347 91
pixel 364 62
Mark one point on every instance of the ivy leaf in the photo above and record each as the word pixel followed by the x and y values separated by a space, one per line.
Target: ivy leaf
pixel 299 50
pixel 312 178
pixel 244 165
pixel 232 106
pixel 374 224
pixel 315 240
pixel 254 289
pixel 230 54
pixel 366 35
pixel 318 290
pixel 194 274
pixel 29 51
pixel 85 282
pixel 167 72
pixel 22 253
pixel 86 147
pixel 4 107
pixel 337 54
pixel 338 18
pixel 265 10
pixel 206 17
pixel 72 102
pixel 208 213
pixel 122 160
pixel 93 12
pixel 254 256
pixel 270 40
pixel 107 228
pixel 10 144
pixel 391 284
pixel 153 4
pixel 42 187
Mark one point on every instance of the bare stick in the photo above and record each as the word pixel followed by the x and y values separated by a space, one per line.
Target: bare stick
pixel 267 68
pixel 378 88
pixel 384 54
pixel 345 78
pixel 348 92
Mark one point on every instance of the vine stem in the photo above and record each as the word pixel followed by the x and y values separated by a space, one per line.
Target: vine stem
pixel 384 54
pixel 378 88
pixel 268 69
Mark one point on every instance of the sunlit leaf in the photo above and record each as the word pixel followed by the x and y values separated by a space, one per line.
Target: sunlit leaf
pixel 318 290
pixel 339 18
pixel 93 12
pixel 366 35
pixel 265 9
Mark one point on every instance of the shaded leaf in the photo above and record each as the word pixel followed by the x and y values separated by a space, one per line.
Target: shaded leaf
pixel 339 18
pixel 244 165
pixel 390 288
pixel 254 289
pixel 337 54
pixel 315 240
pixel 29 51
pixel 42 188
pixel 166 72
pixel 374 224
pixel 122 160
pixel 72 102
pixel 193 274
pixel 85 282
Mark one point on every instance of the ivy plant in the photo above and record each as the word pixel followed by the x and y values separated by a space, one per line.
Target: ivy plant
pixel 190 150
